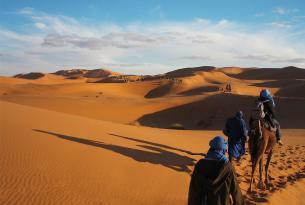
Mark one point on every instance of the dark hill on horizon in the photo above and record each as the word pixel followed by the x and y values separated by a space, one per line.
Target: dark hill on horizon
pixel 289 72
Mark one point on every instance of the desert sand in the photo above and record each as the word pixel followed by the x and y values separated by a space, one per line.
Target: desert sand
pixel 100 137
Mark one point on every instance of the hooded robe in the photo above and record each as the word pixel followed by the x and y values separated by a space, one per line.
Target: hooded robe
pixel 236 131
pixel 212 183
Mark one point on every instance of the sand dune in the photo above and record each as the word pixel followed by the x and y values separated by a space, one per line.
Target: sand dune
pixel 66 140
pixel 185 72
pixel 79 73
pixel 292 91
pixel 232 70
pixel 212 111
pixel 30 76
pixel 271 73
pixel 158 103
pixel 65 159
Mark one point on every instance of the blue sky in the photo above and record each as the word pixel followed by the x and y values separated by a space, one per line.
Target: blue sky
pixel 150 37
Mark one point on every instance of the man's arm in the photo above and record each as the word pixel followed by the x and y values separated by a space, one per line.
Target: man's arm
pixel 235 192
pixel 244 130
pixel 196 187
pixel 271 109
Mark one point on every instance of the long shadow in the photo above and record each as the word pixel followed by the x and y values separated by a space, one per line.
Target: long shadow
pixel 158 145
pixel 159 91
pixel 280 83
pixel 199 91
pixel 156 155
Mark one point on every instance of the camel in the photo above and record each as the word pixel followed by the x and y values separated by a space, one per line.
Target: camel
pixel 258 146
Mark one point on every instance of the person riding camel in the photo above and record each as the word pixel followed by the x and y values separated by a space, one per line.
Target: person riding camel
pixel 269 110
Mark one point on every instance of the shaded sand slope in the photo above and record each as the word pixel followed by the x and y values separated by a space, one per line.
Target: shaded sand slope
pixel 271 73
pixel 211 112
pixel 54 158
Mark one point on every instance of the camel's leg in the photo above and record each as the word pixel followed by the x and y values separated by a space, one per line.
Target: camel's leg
pixel 259 156
pixel 260 183
pixel 254 165
pixel 267 167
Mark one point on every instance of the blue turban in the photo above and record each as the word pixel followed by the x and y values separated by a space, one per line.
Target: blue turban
pixel 265 95
pixel 218 149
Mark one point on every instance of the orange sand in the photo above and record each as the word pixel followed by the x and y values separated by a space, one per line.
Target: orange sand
pixel 66 141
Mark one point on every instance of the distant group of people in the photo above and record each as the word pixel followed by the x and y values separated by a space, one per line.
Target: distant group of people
pixel 214 180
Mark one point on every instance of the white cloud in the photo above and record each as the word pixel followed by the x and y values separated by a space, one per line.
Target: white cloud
pixel 40 25
pixel 56 41
pixel 273 59
pixel 281 24
pixel 196 57
pixel 26 11
pixel 283 11
pixel 259 15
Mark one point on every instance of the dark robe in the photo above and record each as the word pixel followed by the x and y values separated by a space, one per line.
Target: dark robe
pixel 212 183
pixel 237 132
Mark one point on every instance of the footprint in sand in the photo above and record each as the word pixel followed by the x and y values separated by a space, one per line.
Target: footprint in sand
pixel 281 184
pixel 281 168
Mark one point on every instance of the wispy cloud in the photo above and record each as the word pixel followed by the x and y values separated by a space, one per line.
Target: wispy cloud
pixel 281 24
pixel 283 11
pixel 197 57
pixel 54 40
pixel 272 59
pixel 41 26
pixel 259 15
pixel 113 39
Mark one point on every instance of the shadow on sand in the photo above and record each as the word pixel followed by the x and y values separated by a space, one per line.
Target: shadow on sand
pixel 155 155
pixel 211 112
pixel 158 145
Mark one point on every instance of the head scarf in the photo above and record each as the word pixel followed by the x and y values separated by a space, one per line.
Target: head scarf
pixel 218 148
pixel 266 96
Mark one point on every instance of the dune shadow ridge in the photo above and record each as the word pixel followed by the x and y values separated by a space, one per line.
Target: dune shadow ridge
pixel 211 114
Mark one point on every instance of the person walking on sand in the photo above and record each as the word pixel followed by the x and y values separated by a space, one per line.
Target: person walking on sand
pixel 237 132
pixel 214 180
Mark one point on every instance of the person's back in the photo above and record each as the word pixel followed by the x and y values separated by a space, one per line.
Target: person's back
pixel 214 181
pixel 236 128
pixel 236 131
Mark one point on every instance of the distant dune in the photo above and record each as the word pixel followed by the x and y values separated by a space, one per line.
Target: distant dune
pixel 30 76
pixel 189 93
